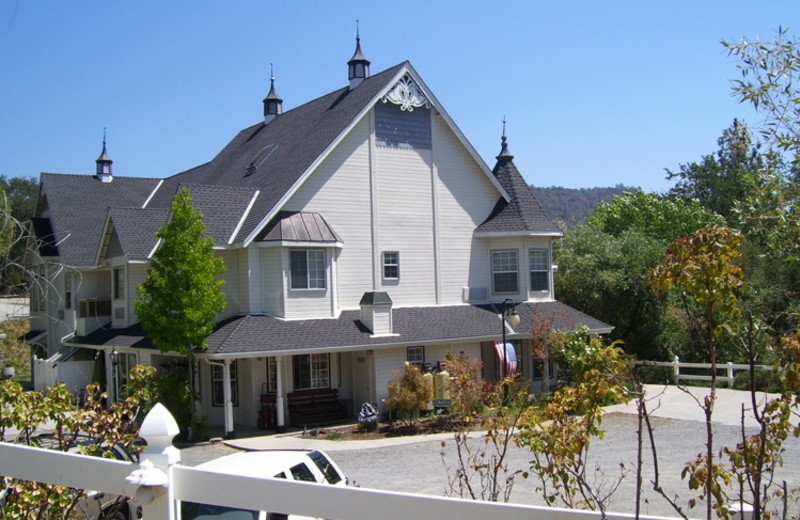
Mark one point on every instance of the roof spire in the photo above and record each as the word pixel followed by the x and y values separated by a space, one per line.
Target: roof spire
pixel 104 163
pixel 504 153
pixel 358 66
pixel 273 104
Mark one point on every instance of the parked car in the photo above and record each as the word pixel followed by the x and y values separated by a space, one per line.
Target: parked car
pixel 300 465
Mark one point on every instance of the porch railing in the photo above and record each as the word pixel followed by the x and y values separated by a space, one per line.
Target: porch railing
pixel 159 481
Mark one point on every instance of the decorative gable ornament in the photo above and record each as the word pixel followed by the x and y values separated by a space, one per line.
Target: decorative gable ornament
pixel 407 95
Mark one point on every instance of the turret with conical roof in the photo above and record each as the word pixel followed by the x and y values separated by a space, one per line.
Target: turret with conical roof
pixel 358 66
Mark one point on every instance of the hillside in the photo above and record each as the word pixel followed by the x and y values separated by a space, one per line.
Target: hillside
pixel 574 205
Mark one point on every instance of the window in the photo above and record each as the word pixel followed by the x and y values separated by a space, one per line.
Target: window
pixel 308 269
pixel 504 271
pixel 67 290
pixel 311 371
pixel 538 369
pixel 272 375
pixel 38 285
pixel 119 283
pixel 391 265
pixel 415 354
pixel 539 270
pixel 301 472
pixel 217 397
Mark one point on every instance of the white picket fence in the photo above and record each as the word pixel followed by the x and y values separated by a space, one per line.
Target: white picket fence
pixel 676 364
pixel 159 481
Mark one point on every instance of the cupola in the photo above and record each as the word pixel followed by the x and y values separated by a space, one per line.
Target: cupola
pixel 376 313
pixel 104 163
pixel 273 104
pixel 358 66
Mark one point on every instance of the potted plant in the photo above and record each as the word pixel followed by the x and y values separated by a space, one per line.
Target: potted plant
pixel 8 371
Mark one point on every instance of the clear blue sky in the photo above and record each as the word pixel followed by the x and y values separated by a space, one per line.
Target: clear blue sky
pixel 595 93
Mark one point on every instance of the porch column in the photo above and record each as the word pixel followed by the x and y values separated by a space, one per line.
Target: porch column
pixel 279 402
pixel 227 400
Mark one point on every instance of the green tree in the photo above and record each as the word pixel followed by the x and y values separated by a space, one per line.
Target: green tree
pixel 18 200
pixel 181 296
pixel 602 265
pixel 770 75
pixel 719 180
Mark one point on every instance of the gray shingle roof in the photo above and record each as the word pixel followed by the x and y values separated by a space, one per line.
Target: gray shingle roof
pixel 78 206
pixel 221 206
pixel 296 138
pixel 523 213
pixel 136 229
pixel 258 334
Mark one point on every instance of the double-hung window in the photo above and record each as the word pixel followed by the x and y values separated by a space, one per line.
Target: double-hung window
pixel 312 371
pixel 391 265
pixel 217 382
pixel 540 281
pixel 307 269
pixel 415 354
pixel 119 283
pixel 504 271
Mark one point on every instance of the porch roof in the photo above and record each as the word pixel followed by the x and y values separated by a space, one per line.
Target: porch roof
pixel 259 335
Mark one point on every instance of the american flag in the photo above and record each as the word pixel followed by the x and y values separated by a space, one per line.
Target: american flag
pixel 510 367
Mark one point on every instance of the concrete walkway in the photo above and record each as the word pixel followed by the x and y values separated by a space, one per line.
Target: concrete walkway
pixel 685 403
pixel 663 401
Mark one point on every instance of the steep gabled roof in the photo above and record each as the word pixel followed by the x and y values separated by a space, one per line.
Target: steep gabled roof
pixel 272 157
pixel 523 214
pixel 78 207
pixel 136 230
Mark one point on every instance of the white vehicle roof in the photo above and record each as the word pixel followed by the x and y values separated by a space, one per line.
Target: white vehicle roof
pixel 258 463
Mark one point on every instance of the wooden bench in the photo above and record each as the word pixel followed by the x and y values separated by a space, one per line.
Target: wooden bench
pixel 315 407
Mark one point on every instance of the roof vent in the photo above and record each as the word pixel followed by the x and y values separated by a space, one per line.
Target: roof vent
pixel 376 312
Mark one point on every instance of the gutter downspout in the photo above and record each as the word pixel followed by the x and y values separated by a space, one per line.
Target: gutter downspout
pixel 226 395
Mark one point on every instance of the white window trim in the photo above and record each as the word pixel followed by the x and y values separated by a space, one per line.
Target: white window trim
pixel 408 354
pixel 308 279
pixel 516 271
pixel 312 379
pixel 385 264
pixel 545 270
pixel 114 271
pixel 218 376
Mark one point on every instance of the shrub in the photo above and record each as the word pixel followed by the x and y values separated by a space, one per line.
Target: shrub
pixel 467 390
pixel 408 394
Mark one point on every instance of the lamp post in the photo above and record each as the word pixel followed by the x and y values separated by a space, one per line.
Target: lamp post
pixel 509 314
pixel 115 373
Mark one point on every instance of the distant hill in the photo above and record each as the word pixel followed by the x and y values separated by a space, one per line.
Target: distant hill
pixel 574 205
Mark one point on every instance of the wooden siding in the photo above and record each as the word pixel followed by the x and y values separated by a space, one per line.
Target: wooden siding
pixel 271 278
pixel 340 191
pixel 465 198
pixel 405 223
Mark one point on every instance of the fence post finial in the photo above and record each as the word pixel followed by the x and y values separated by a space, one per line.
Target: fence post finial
pixel 154 476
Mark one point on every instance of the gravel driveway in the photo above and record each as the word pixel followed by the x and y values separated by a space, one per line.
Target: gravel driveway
pixel 417 467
